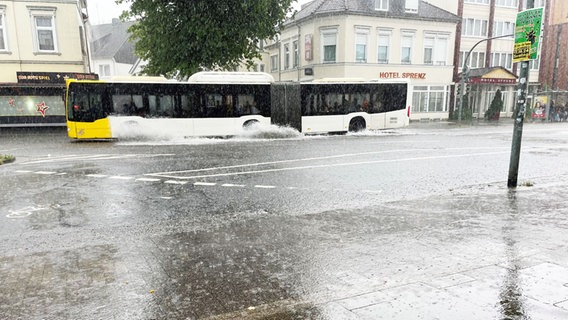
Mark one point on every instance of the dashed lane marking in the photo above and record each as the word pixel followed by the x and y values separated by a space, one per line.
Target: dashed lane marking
pixel 148 179
pixel 183 182
pixel 264 187
pixel 204 184
pixel 121 177
pixel 230 185
pixel 175 182
pixel 94 175
pixel 45 172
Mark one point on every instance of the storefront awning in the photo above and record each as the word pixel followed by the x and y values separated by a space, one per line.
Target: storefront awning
pixel 493 75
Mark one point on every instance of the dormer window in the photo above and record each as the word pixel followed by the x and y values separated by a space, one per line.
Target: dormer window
pixel 382 5
pixel 411 6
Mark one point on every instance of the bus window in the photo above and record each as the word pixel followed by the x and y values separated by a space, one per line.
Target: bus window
pixel 189 107
pixel 161 106
pixel 129 105
pixel 214 105
pixel 246 105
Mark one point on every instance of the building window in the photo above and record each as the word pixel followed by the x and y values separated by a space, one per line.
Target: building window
pixel 502 59
pixel 507 3
pixel 474 27
pixel 406 48
pixel 44 32
pixel 411 6
pixel 382 5
pixel 329 45
pixel 384 46
pixel 477 1
pixel 476 59
pixel 361 44
pixel 104 70
pixel 274 62
pixel 429 99
pixel 3 38
pixel 435 49
pixel 535 63
pixel 296 54
pixel 503 28
pixel 286 56
pixel 537 4
pixel 261 67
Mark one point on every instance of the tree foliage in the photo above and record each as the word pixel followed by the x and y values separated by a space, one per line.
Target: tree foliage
pixel 495 108
pixel 184 36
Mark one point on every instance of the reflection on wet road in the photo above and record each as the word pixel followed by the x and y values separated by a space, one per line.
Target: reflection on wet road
pixel 360 234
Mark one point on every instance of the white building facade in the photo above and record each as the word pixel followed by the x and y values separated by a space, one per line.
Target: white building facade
pixel 42 36
pixel 371 39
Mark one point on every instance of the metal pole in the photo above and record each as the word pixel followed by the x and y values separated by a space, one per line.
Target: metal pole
pixel 519 119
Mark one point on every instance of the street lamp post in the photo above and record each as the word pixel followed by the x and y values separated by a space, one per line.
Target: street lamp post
pixel 465 71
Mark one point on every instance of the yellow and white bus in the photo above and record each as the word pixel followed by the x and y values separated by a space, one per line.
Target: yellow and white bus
pixel 226 103
pixel 209 104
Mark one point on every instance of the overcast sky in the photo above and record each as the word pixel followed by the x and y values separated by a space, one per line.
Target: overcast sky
pixel 103 11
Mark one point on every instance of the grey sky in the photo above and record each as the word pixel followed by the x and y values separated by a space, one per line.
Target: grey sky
pixel 103 11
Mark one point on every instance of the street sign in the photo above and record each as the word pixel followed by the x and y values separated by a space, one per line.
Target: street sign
pixel 527 34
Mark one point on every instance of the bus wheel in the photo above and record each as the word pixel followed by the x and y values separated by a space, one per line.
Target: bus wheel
pixel 357 124
pixel 250 124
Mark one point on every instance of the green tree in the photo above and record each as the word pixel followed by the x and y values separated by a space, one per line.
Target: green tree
pixel 181 37
pixel 466 114
pixel 495 108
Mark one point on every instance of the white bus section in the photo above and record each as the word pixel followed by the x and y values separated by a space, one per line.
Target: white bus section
pixel 160 128
pixel 317 124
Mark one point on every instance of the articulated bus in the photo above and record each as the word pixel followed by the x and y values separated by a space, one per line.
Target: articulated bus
pixel 347 105
pixel 30 105
pixel 226 103
pixel 209 104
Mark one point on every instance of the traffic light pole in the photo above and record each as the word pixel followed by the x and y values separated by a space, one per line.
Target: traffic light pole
pixel 519 119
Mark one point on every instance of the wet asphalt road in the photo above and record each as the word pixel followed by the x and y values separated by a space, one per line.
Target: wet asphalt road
pixel 415 223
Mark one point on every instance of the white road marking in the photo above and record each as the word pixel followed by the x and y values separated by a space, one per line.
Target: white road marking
pixel 264 187
pixel 372 191
pixel 175 182
pixel 166 198
pixel 24 171
pixel 94 175
pixel 148 179
pixel 121 177
pixel 74 157
pixel 168 174
pixel 204 184
pixel 45 172
pixel 230 185
pixel 329 165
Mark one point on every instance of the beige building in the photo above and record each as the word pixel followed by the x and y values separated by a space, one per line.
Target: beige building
pixel 486 32
pixel 42 36
pixel 371 39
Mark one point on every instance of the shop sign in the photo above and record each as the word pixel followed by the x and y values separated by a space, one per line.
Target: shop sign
pixel 52 77
pixel 493 81
pixel 405 75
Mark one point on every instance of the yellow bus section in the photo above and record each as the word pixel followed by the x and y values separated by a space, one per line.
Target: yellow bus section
pixel 99 129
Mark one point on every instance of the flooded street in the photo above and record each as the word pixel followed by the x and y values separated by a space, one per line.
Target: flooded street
pixel 412 223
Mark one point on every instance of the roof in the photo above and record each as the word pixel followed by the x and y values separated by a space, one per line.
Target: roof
pixel 492 72
pixel 110 41
pixel 396 10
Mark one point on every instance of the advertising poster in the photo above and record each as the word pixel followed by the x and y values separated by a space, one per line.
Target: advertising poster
pixel 539 107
